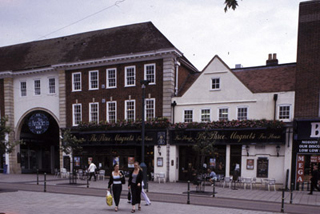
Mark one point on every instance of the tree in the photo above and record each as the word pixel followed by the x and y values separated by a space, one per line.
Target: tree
pixel 233 4
pixel 6 146
pixel 204 146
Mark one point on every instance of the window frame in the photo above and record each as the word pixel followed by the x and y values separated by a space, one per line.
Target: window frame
pixel 73 83
pixel 115 77
pixel 247 113
pixel 25 89
pixel 201 118
pixel 49 86
pixel 184 115
pixel 134 110
pixel 154 108
pixel 126 76
pixel 108 112
pixel 223 108
pixel 91 81
pixel 154 74
pixel 211 84
pixel 35 88
pixel 90 112
pixel 73 114
pixel 279 111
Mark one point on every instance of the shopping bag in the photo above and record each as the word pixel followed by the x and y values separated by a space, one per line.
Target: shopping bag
pixel 109 198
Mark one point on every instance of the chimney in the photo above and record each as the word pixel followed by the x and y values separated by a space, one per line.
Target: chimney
pixel 272 60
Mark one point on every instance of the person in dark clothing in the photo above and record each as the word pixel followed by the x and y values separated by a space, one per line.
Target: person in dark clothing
pixel 135 185
pixel 236 173
pixel 116 178
pixel 314 179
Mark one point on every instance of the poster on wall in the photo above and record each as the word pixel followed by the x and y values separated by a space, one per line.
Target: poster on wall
pixel 130 162
pixel 76 161
pixel 160 161
pixel 262 167
pixel 212 162
pixel 116 160
pixel 250 164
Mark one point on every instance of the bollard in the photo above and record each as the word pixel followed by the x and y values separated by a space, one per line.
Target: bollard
pixel 37 176
pixel 188 201
pixel 282 202
pixel 291 191
pixel 214 188
pixel 45 182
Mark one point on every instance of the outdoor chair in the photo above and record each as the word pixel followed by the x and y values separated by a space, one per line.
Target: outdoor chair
pixel 80 174
pixel 161 176
pixel 272 183
pixel 247 182
pixel 227 181
pixel 101 174
pixel 56 173
pixel 64 173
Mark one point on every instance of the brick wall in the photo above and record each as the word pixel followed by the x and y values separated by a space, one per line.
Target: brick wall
pixel 308 63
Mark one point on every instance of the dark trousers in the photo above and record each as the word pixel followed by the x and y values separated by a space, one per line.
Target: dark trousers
pixel 314 186
pixel 92 174
pixel 116 190
pixel 136 194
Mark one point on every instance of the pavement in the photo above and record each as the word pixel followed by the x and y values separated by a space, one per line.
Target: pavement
pixel 22 194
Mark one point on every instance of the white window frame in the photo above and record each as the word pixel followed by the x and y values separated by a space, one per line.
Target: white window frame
pixel 154 74
pixel 146 108
pixel 215 89
pixel 242 107
pixel 73 83
pixel 91 81
pixel 115 111
pixel 222 108
pixel 91 113
pixel 37 90
pixel 126 111
pixel 51 87
pixel 201 118
pixel 126 76
pixel 184 115
pixel 115 77
pixel 290 112
pixel 73 114
pixel 23 92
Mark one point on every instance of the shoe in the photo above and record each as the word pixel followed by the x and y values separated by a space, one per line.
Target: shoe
pixel 139 208
pixel 148 204
pixel 132 211
pixel 116 209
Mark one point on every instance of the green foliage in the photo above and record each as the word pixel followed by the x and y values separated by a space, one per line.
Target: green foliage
pixel 71 143
pixel 233 4
pixel 6 146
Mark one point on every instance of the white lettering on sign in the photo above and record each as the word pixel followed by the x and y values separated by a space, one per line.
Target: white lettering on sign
pixel 315 130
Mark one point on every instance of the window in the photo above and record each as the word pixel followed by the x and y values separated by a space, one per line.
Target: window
pixel 93 80
pixel 150 108
pixel 242 113
pixel 223 114
pixel 130 76
pixel 130 110
pixel 111 78
pixel 112 112
pixel 76 82
pixel 37 87
pixel 150 73
pixel 94 112
pixel 215 83
pixel 188 114
pixel 77 114
pixel 23 89
pixel 52 85
pixel 205 115
pixel 284 112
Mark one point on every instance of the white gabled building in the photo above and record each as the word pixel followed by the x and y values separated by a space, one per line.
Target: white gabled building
pixel 243 94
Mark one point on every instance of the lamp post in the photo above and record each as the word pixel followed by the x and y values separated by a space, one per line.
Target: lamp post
pixel 144 83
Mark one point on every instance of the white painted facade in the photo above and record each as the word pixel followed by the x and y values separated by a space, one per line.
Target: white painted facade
pixel 233 94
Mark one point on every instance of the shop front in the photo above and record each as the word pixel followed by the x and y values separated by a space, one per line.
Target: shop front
pixel 105 148
pixel 306 151
pixel 256 150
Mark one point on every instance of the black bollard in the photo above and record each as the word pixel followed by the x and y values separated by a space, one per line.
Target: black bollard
pixel 37 176
pixel 45 182
pixel 291 191
pixel 188 201
pixel 282 202
pixel 214 188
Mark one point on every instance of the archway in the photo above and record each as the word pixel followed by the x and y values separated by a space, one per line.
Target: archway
pixel 40 149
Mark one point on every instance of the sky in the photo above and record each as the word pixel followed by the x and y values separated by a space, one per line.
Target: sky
pixel 200 29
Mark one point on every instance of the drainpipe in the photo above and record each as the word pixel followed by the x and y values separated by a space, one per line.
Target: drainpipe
pixel 275 98
pixel 177 64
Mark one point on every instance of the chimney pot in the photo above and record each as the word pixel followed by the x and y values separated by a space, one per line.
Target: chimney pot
pixel 272 60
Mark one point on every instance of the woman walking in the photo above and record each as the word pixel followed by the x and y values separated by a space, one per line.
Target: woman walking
pixel 135 185
pixel 116 180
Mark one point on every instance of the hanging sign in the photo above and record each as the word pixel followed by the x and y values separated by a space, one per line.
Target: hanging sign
pixel 38 123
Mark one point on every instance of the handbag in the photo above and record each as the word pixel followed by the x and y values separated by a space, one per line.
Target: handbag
pixel 109 198
pixel 123 179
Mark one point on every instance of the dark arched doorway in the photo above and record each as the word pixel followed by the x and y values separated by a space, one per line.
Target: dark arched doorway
pixel 40 148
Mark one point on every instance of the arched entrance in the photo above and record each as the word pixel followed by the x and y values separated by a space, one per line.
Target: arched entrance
pixel 40 148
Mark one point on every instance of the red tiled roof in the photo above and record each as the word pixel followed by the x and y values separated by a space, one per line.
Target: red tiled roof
pixel 268 78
